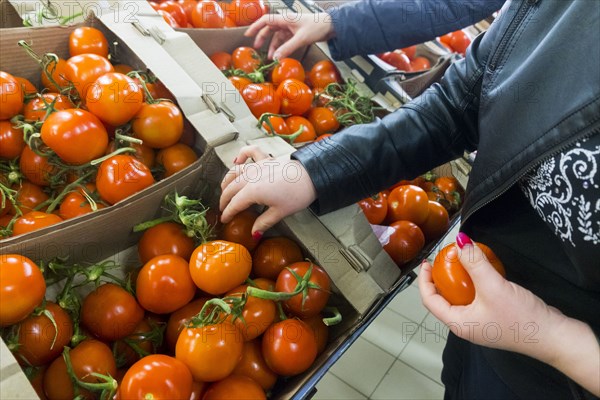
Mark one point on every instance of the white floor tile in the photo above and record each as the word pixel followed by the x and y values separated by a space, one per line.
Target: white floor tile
pixel 333 388
pixel 424 353
pixel 433 324
pixel 404 383
pixel 391 331
pixel 363 366
pixel 408 303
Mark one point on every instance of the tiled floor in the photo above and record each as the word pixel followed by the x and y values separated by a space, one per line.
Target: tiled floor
pixel 399 356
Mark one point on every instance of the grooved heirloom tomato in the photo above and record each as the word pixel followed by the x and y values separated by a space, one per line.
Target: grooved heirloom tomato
pixel 33 221
pixel 408 203
pixel 405 242
pixel 22 288
pixel 310 302
pixel 296 97
pixel 156 377
pixel 289 347
pixel 86 39
pixel 273 255
pixel 253 365
pixel 11 96
pixel 11 141
pixel 165 238
pixel 76 136
pixel 120 177
pixel 84 69
pixel 235 387
pixel 114 98
pixel 158 125
pixel 452 280
pixel 219 266
pixel 288 68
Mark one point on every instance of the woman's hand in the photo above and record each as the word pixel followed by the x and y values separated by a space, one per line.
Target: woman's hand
pixel 281 184
pixel 509 317
pixel 290 32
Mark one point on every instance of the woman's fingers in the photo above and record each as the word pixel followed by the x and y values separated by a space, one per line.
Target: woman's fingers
pixel 253 152
pixel 429 295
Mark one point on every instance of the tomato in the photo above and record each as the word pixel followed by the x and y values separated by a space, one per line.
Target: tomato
pixel 437 221
pixel 219 266
pixel 410 52
pixel 288 68
pixel 245 12
pixel 110 312
pixel 85 39
pixel 40 341
pixel 38 108
pixel 29 196
pixel 210 352
pixel 420 64
pixel 257 314
pixel 405 242
pixel 58 75
pixel 76 136
pixel 114 98
pixel 36 378
pixel 246 58
pixel 323 73
pixel 408 203
pixel 158 125
pixel 198 390
pixel 239 229
pixel 84 69
pixel 11 141
pixel 452 280
pixel 143 153
pixel 261 98
pixel 33 221
pixel 26 85
pixel 289 347
pixel 398 59
pixel 253 365
pixel 158 377
pixel 176 158
pixel 295 123
pixel 239 82
pixel 158 90
pixel 11 96
pixel 235 387
pixel 375 208
pixel 458 41
pixel 122 68
pixel 165 238
pixel 90 356
pixel 142 338
pixel 188 6
pixel 179 319
pixel 323 137
pixel 176 10
pixel 296 97
pixel 221 60
pixel 313 300
pixel 36 168
pixel 169 19
pixel 120 177
pixel 323 120
pixel 208 14
pixel 276 125
pixel 22 288
pixel 450 186
pixel 75 205
pixel 164 284
pixel 274 254
pixel 320 330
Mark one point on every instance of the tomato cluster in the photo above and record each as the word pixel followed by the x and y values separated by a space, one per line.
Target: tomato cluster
pixel 417 211
pixel 209 13
pixel 456 41
pixel 406 59
pixel 95 134
pixel 212 320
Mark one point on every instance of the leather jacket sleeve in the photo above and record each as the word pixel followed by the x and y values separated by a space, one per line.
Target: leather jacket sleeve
pixel 429 131
pixel 374 26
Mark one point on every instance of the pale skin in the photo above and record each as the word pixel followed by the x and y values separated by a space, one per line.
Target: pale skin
pixel 565 343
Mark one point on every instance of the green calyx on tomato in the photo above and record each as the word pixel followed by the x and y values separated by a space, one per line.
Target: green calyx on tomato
pixel 266 122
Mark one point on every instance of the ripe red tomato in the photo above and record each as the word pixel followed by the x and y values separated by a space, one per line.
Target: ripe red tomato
pixel 169 19
pixel 239 229
pixel 143 153
pixel 165 238
pixel 276 125
pixel 76 136
pixel 451 279
pixel 398 59
pixel 457 41
pixel 39 107
pixel 164 284
pixel 410 51
pixel 323 120
pixel 310 302
pixel 29 196
pixel 158 125
pixel 323 73
pixel 189 6
pixel 176 10
pixel 235 387
pixel 90 356
pixel 75 205
pixel 253 365
pixel 261 98
pixel 158 377
pixel 33 221
pixel 239 82
pixel 11 96
pixel 22 288
pixel 289 347
pixel 320 330
pixel 219 266
pixel 295 123
pixel 274 254
pixel 323 137
pixel 142 337
pixel 257 314
pixel 58 75
pixel 210 352
pixel 208 14
pixel 110 312
pixel 221 60
pixel 420 64
pixel 26 85
pixel 84 69
pixel 41 340
pixel 176 158
pixel 450 186
pixel 408 203
pixel 179 319
pixel 437 221
pixel 11 141
pixel 245 12
pixel 114 98
pixel 405 243
pixel 85 39
pixel 296 97
pixel 36 168
pixel 375 208
pixel 122 176
pixel 246 58
pixel 288 68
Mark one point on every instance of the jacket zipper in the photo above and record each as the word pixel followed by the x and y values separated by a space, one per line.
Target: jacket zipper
pixel 510 31
pixel 529 166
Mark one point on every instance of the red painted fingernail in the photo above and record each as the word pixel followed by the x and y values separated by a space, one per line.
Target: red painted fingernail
pixel 257 236
pixel 462 240
pixel 235 160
